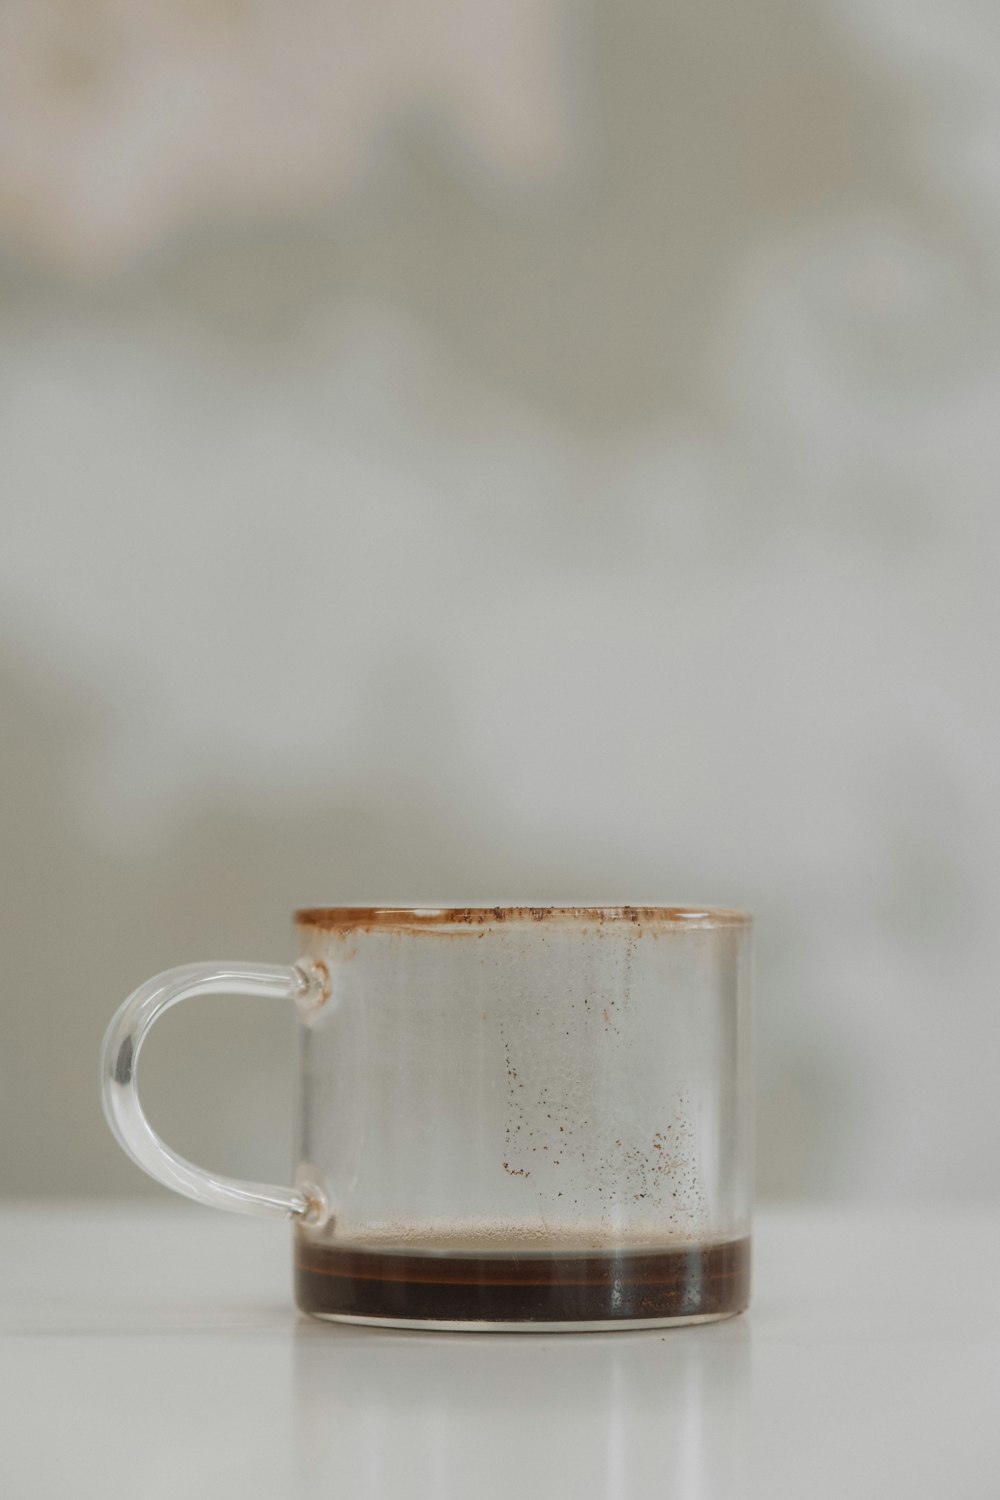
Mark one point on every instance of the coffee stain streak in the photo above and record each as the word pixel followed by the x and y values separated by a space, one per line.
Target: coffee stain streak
pixel 438 918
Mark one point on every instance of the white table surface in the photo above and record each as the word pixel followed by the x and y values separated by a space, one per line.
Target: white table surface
pixel 155 1352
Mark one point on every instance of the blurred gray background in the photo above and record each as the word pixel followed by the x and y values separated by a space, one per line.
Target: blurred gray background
pixel 474 451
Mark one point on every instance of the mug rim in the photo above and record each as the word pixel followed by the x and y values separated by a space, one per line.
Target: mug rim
pixel 346 917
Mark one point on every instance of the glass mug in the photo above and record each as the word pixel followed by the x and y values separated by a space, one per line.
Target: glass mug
pixel 531 1118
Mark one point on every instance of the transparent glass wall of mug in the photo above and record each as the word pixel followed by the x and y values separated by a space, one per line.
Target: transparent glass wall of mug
pixel 551 1083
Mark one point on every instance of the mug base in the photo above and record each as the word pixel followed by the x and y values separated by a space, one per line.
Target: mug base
pixel 525 1292
pixel 602 1325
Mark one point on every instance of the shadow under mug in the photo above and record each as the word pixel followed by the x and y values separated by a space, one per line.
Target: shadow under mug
pixel 512 1118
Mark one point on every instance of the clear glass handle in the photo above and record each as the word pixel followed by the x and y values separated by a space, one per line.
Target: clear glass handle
pixel 119 1090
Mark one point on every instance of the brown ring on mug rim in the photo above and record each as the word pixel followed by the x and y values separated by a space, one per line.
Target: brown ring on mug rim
pixel 352 917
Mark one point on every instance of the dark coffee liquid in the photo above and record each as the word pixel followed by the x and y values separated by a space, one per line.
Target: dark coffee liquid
pixel 579 1286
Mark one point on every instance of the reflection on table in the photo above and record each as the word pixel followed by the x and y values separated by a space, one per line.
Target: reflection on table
pixel 381 1413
